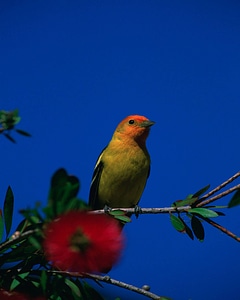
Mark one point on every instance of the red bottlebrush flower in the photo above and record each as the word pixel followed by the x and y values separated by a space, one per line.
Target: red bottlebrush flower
pixel 83 242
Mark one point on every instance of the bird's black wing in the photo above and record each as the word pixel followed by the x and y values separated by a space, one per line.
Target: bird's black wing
pixel 149 170
pixel 93 194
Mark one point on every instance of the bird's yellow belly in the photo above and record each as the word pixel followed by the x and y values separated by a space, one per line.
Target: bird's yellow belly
pixel 122 186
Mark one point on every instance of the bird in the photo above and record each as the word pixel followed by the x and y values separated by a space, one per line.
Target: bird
pixel 123 167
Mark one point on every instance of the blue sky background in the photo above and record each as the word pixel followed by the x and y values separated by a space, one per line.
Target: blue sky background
pixel 75 69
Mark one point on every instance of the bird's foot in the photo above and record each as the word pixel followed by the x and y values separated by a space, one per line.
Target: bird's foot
pixel 107 209
pixel 137 210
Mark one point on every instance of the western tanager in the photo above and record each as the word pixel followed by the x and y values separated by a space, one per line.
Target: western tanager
pixel 123 167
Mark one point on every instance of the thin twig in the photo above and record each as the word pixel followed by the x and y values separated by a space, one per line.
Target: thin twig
pixel 221 228
pixel 222 185
pixel 223 194
pixel 155 210
pixel 164 210
pixel 18 239
pixel 161 210
pixel 109 280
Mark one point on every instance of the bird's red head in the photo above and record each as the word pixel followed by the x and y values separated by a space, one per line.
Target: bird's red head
pixel 135 127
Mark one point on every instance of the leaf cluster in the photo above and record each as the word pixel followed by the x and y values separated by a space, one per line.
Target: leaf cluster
pixel 197 213
pixel 23 266
pixel 8 121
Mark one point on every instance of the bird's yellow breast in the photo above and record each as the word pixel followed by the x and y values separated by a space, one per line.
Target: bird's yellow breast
pixel 124 176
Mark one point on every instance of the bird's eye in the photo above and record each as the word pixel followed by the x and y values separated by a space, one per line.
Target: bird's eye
pixel 131 122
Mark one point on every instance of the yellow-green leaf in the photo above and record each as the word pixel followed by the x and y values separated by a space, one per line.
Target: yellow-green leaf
pixel 22 132
pixel 177 223
pixel 197 228
pixel 235 199
pixel 201 191
pixel 8 210
pixel 204 212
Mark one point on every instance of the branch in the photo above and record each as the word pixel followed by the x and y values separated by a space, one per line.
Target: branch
pixel 222 185
pixel 109 280
pixel 221 228
pixel 178 210
pixel 155 210
pixel 223 194
pixel 16 238
pixel 165 210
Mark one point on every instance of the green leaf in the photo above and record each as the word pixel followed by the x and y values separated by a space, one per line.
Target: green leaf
pixel 22 252
pixel 62 195
pixel 220 213
pixel 74 288
pixel 1 225
pixel 16 120
pixel 74 204
pixel 188 201
pixel 69 191
pixel 204 212
pixel 177 223
pixel 201 191
pixel 22 225
pixel 43 280
pixel 56 282
pixel 117 212
pixel 235 199
pixel 18 280
pixel 8 210
pixel 187 229
pixel 216 206
pixel 8 136
pixel 35 242
pixel 59 178
pixel 9 119
pixel 91 293
pixel 3 117
pixel 32 216
pixel 34 219
pixel 2 113
pixel 14 115
pixel 58 181
pixel 120 215
pixel 75 185
pixel 22 132
pixel 48 211
pixel 124 219
pixel 197 228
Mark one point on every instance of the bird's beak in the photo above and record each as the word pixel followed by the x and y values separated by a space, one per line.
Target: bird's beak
pixel 147 123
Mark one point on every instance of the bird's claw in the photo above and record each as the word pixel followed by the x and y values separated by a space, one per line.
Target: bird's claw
pixel 137 210
pixel 107 209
